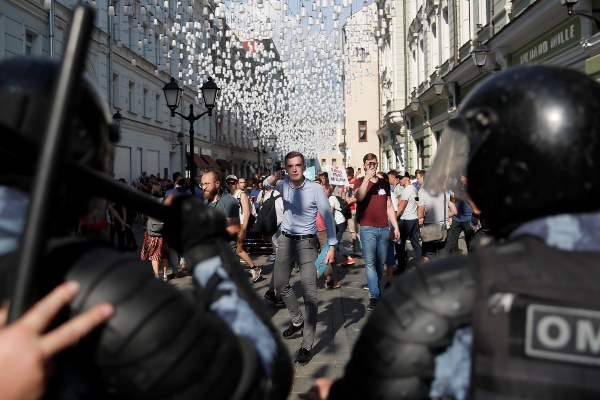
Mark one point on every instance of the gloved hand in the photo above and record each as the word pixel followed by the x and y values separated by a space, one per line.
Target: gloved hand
pixel 193 224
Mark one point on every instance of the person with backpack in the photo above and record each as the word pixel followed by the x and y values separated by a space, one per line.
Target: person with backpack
pixel 270 213
pixel 154 247
pixel 236 188
pixel 268 219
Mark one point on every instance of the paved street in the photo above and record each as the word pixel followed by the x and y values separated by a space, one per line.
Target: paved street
pixel 342 314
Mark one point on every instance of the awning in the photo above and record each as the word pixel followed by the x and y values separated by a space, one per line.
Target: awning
pixel 211 162
pixel 225 165
pixel 200 163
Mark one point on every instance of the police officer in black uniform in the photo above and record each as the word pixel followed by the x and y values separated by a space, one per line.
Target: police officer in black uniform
pixel 528 140
pixel 214 341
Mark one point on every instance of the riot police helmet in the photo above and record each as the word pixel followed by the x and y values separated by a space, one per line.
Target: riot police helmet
pixel 27 92
pixel 528 140
pixel 26 96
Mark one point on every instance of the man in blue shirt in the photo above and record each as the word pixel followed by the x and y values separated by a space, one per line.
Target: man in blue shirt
pixel 461 222
pixel 255 190
pixel 298 243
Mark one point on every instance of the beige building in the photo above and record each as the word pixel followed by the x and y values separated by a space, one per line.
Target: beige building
pixel 361 94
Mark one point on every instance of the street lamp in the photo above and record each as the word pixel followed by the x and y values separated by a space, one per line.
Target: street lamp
pixel 480 54
pixel 272 141
pixel 582 13
pixel 438 86
pixel 118 118
pixel 173 95
pixel 343 148
pixel 179 141
pixel 256 145
pixel 415 103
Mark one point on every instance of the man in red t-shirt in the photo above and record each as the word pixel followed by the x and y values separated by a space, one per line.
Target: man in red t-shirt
pixel 353 226
pixel 375 209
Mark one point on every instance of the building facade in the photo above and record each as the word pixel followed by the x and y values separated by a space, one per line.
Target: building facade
pixel 441 37
pixel 136 47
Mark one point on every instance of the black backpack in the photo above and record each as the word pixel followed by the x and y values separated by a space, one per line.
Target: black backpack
pixel 344 208
pixel 266 221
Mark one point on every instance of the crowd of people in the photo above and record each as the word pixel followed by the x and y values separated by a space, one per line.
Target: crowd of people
pixel 492 326
pixel 388 211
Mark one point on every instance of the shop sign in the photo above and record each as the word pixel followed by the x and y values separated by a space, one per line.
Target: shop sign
pixel 550 44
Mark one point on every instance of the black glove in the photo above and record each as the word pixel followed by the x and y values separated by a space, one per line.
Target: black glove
pixel 193 224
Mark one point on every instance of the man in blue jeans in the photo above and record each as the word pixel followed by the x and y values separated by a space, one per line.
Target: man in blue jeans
pixel 374 209
pixel 408 221
pixel 461 222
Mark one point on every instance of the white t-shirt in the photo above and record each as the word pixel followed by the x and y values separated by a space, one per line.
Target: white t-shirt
pixel 410 211
pixel 394 198
pixel 435 207
pixel 337 214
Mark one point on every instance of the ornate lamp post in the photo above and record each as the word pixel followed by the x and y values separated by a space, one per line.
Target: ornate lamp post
pixel 272 143
pixel 256 145
pixel 173 96
pixel 117 118
pixel 342 146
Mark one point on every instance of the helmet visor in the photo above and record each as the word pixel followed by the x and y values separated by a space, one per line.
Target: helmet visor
pixel 450 160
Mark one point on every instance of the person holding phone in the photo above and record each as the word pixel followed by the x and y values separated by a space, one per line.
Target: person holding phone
pixel 375 208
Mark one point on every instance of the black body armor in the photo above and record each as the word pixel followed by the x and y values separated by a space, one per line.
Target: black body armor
pixel 535 314
pixel 536 323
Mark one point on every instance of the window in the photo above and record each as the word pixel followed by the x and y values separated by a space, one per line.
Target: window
pixel 131 28
pixel 362 131
pixel 420 146
pixel 131 96
pixel 146 105
pixel 115 90
pixel 334 162
pixel 323 161
pixel 157 105
pixel 28 44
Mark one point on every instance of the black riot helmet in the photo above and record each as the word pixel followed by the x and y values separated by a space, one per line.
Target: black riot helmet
pixel 529 141
pixel 26 96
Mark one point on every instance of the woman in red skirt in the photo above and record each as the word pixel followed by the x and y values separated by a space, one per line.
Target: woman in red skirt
pixel 155 248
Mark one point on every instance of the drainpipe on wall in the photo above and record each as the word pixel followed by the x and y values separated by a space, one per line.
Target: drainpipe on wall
pixel 49 5
pixel 491 17
pixel 456 46
pixel 111 100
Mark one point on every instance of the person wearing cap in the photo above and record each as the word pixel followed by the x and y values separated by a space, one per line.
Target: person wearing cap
pixel 240 195
pixel 408 221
